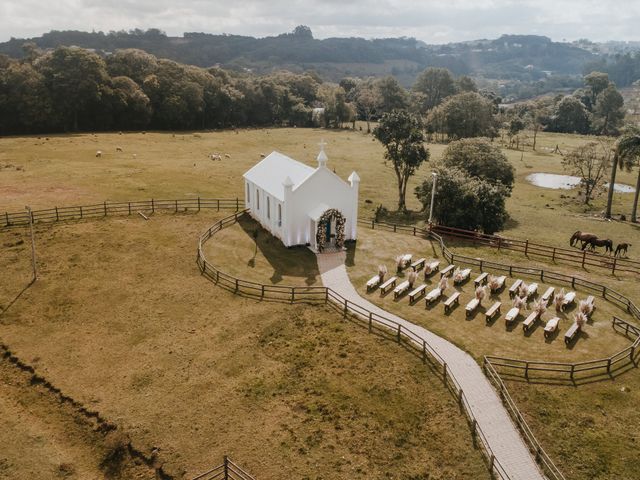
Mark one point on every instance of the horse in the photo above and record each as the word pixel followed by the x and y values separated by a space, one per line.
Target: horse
pixel 584 237
pixel 620 248
pixel 598 242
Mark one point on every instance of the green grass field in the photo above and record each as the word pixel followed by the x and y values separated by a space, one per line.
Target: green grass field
pixel 132 331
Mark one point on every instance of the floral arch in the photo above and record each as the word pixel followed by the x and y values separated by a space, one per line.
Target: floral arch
pixel 321 232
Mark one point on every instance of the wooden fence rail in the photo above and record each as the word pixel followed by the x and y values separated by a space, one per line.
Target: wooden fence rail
pixel 227 470
pixel 60 214
pixel 355 312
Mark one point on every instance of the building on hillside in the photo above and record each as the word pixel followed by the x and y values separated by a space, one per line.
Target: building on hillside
pixel 302 205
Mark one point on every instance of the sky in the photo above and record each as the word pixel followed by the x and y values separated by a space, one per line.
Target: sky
pixel 427 20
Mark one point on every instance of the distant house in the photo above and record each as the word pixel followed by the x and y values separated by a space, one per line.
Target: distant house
pixel 302 205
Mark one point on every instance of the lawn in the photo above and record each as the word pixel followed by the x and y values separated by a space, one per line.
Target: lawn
pixel 121 321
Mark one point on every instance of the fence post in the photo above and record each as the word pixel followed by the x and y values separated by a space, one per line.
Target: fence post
pixel 499 243
pixel 105 209
pixel 609 365
pixel 526 247
pixel 584 256
pixel 326 295
pixel 633 351
pixel 541 275
pixel 573 282
pixel 293 294
pixel 153 206
pixel 474 427
pixel 345 307
pixel 511 270
pixel 6 216
pixel 492 460
pixel 399 332
pixel 218 204
pixel 370 321
pixel 373 224
pixel 394 228
pixel 424 351
pixel 80 212
pixel 198 203
pixel 226 468
pixel 444 372
pixel 613 269
pixel 526 370
pixel 414 231
pixel 481 266
pixel 262 291
pixel 129 208
pixel 237 203
pixel 236 291
pixel 176 206
pixel 57 216
pixel 460 398
pixel 573 367
pixel 553 255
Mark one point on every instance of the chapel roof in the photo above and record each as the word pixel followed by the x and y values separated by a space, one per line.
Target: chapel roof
pixel 271 172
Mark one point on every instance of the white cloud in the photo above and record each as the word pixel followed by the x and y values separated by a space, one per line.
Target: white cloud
pixel 431 21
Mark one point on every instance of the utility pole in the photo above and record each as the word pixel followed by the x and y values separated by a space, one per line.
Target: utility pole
pixel 33 245
pixel 433 194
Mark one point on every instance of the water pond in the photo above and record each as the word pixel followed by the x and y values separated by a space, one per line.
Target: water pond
pixel 567 182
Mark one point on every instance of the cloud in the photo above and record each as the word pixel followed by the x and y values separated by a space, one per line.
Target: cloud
pixel 431 21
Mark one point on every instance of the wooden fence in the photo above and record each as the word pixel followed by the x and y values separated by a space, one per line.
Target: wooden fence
pixel 349 310
pixel 541 369
pixel 227 470
pixel 580 258
pixel 60 214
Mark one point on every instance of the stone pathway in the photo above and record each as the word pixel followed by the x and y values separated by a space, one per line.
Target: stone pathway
pixel 486 406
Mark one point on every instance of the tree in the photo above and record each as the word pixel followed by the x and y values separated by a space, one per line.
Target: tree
pixel 596 82
pixel 627 148
pixel 391 95
pixel 131 108
pixel 479 158
pixel 435 84
pixel 75 79
pixel 401 134
pixel 590 162
pixel 465 115
pixel 133 63
pixel 609 110
pixel 465 84
pixel 571 116
pixel 537 116
pixel 463 201
pixel 367 100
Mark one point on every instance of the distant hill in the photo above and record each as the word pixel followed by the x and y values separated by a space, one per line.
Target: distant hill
pixel 516 66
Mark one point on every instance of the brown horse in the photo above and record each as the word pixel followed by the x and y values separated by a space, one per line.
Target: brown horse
pixel 583 237
pixel 622 247
pixel 600 242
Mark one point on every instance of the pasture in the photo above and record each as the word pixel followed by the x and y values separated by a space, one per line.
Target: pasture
pixel 121 321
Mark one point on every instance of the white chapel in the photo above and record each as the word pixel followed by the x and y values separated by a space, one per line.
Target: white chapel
pixel 302 205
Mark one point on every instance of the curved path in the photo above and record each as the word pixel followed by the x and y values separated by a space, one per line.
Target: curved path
pixel 500 432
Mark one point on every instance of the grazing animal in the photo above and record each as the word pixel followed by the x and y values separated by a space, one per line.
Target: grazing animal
pixel 118 149
pixel 215 156
pixel 262 155
pixel 98 153
pixel 583 237
pixel 226 155
pixel 601 242
pixel 622 247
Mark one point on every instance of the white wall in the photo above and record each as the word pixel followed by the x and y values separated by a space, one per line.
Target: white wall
pixel 260 214
pixel 325 187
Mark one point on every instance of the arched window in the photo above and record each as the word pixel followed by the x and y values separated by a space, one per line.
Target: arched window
pixel 279 214
pixel 268 207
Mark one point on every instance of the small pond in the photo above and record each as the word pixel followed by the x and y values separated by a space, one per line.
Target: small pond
pixel 567 182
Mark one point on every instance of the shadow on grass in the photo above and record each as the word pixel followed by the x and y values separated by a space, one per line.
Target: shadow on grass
pixel 296 261
pixel 16 298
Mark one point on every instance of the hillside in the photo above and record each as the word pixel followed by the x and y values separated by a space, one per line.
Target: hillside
pixel 510 57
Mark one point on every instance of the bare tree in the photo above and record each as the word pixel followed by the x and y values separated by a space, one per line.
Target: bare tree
pixel 591 163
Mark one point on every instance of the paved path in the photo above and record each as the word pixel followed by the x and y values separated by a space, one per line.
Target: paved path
pixel 500 432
